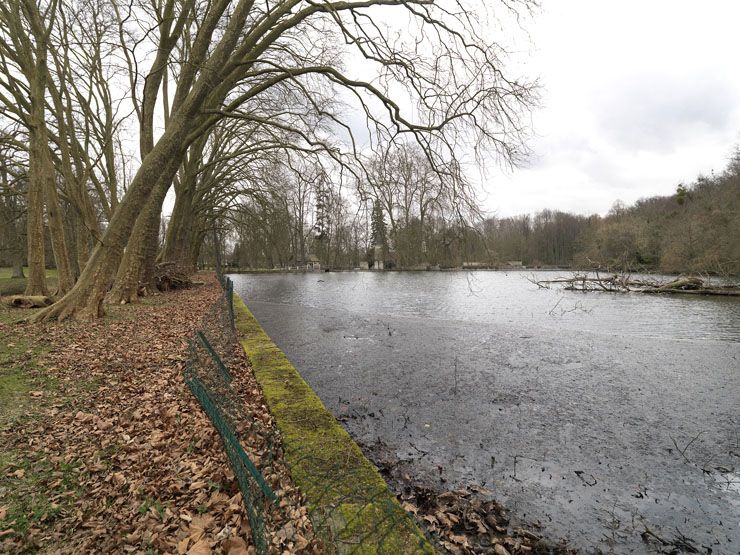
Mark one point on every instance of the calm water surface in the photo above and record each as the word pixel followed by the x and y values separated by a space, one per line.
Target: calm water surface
pixel 571 407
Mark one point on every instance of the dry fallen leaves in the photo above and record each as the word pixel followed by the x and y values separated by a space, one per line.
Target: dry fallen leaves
pixel 147 464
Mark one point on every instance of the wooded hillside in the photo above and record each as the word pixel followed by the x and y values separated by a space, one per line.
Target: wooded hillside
pixel 694 230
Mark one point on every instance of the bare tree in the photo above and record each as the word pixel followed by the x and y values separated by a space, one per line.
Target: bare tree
pixel 233 55
pixel 24 51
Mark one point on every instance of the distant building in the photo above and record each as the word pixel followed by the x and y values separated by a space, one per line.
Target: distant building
pixel 313 262
pixel 379 263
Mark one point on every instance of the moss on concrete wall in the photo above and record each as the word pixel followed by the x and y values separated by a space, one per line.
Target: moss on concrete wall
pixel 350 502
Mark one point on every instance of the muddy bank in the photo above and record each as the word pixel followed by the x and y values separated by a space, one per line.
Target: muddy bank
pixel 593 435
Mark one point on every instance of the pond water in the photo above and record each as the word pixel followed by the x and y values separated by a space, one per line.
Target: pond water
pixel 592 415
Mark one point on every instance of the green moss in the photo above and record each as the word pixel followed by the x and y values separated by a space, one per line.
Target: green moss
pixel 350 503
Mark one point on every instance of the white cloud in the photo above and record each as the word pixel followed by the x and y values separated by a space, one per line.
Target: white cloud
pixel 637 97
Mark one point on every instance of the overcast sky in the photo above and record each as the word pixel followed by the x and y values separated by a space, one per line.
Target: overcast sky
pixel 637 96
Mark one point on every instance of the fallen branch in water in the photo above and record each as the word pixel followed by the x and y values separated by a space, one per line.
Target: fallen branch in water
pixel 623 284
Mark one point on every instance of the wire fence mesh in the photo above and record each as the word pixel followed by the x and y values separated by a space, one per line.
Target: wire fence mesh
pixel 350 510
pixel 208 376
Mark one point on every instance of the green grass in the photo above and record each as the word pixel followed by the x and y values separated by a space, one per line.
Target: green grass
pixel 6 271
pixel 11 286
pixel 18 374
pixel 33 489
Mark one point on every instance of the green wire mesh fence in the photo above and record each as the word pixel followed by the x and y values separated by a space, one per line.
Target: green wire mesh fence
pixel 208 377
pixel 339 513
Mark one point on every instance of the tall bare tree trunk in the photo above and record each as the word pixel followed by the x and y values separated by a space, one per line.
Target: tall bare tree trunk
pixel 139 251
pixel 180 232
pixel 36 284
pixel 42 182
pixel 56 224
pixel 82 242
pixel 148 272
pixel 193 250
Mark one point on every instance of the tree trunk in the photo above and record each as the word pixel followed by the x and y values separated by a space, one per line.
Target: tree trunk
pixel 56 224
pixel 85 300
pixel 41 177
pixel 140 252
pixel 36 285
pixel 217 250
pixel 180 233
pixel 17 272
pixel 82 242
pixel 149 271
pixel 193 251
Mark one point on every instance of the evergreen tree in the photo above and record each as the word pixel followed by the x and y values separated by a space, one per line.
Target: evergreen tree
pixel 379 233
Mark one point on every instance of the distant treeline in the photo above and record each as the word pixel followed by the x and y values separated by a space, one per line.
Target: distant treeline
pixel 695 230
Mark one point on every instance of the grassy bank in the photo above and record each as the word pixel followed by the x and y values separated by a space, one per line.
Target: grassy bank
pixel 35 489
pixel 104 449
pixel 16 286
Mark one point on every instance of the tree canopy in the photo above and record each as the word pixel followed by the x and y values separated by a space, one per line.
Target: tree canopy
pixel 110 104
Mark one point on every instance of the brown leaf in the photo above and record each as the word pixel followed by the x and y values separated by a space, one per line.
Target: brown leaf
pixel 182 546
pixel 203 522
pixel 234 546
pixel 20 473
pixel 3 513
pixel 200 548
pixel 452 548
pixel 459 539
pixel 83 417
pixel 409 508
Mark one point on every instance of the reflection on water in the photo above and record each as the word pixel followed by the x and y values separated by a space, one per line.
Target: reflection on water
pixel 571 407
pixel 503 298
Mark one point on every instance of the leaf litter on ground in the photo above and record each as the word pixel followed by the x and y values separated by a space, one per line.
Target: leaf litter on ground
pixel 123 458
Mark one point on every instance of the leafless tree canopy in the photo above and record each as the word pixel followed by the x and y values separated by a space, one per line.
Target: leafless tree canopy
pixel 110 104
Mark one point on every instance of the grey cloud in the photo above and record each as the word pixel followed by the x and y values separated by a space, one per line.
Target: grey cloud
pixel 654 112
